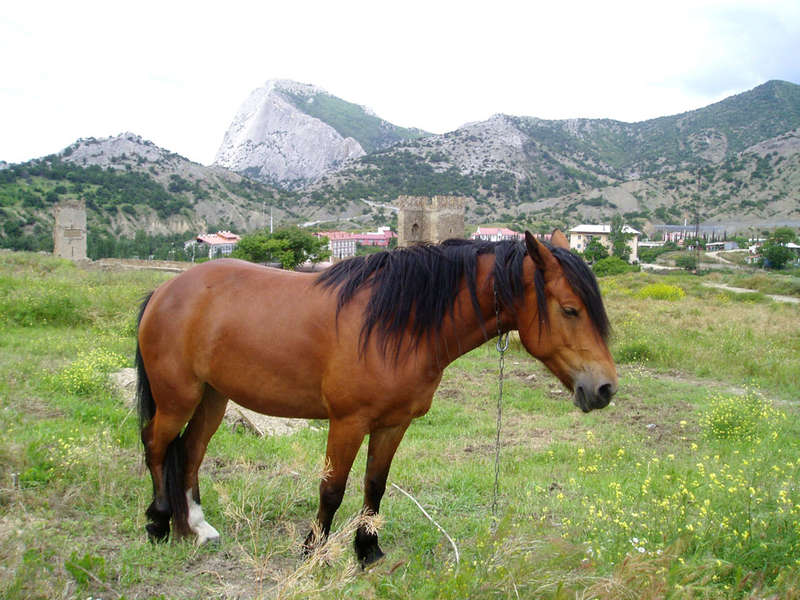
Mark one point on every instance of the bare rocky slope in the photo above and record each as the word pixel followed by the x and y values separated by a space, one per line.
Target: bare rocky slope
pixel 287 132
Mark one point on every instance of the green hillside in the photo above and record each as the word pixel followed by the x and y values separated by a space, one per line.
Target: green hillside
pixel 153 201
pixel 351 120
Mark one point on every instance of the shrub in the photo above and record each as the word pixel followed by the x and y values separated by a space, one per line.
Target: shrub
pixel 89 373
pixel 748 297
pixel 612 265
pixel 686 261
pixel 739 417
pixel 661 291
pixel 634 352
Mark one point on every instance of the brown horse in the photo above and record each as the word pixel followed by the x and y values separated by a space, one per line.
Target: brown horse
pixel 363 344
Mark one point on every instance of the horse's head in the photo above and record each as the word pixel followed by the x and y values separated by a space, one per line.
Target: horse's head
pixel 567 328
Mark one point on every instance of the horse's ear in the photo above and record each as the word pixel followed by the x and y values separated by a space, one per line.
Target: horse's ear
pixel 559 239
pixel 542 257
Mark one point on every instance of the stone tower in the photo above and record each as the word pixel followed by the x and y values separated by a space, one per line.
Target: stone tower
pixel 431 220
pixel 69 235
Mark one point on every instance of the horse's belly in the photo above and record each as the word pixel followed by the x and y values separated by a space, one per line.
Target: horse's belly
pixel 274 399
pixel 295 408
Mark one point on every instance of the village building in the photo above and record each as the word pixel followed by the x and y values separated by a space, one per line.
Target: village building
pixel 651 243
pixel 221 243
pixel 343 244
pixel 680 233
pixel 496 234
pixel 582 235
pixel 720 246
pixel 381 238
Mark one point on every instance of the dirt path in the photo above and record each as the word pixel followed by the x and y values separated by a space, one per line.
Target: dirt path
pixel 738 290
pixel 715 255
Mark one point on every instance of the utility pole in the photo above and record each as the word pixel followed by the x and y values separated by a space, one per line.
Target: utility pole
pixel 697 225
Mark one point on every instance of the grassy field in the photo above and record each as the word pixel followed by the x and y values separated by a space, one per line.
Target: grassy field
pixel 685 487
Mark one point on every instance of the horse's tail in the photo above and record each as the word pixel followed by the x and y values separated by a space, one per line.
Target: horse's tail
pixel 175 456
pixel 144 397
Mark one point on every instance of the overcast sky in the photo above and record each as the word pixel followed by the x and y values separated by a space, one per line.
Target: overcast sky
pixel 176 72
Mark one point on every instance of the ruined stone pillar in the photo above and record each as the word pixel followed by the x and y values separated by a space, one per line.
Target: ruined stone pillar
pixel 69 234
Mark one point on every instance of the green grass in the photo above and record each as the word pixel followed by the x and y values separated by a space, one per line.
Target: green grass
pixel 683 488
pixel 712 333
pixel 769 283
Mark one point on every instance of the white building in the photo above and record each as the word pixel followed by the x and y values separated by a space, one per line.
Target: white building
pixel 582 235
pixel 341 244
pixel 496 234
pixel 221 243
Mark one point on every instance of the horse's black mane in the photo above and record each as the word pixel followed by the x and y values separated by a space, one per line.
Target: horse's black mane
pixel 418 285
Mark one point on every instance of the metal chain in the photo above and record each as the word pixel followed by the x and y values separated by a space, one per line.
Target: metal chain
pixel 502 346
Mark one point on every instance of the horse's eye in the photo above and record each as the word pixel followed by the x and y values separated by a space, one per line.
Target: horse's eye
pixel 569 311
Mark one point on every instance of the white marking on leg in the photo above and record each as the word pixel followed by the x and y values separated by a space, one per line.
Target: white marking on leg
pixel 197 522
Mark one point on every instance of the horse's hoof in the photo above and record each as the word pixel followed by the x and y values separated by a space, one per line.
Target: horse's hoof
pixel 157 532
pixel 205 533
pixel 370 557
pixel 311 543
pixel 212 541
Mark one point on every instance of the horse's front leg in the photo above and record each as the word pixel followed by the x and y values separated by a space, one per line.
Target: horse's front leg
pixel 344 440
pixel 382 446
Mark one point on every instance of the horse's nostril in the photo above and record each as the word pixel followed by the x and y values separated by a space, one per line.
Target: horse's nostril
pixel 605 392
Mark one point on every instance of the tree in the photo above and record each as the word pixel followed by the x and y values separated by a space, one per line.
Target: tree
pixel 775 256
pixel 619 239
pixel 289 247
pixel 783 235
pixel 774 251
pixel 595 251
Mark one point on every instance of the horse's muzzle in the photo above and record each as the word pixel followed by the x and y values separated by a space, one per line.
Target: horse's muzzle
pixel 590 395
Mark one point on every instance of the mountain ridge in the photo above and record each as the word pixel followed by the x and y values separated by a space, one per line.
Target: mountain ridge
pixel 735 161
pixel 509 163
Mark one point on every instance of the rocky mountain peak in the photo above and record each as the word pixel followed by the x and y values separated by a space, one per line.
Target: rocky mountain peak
pixel 272 139
pixel 113 151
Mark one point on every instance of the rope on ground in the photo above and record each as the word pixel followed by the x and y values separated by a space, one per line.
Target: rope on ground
pixel 424 512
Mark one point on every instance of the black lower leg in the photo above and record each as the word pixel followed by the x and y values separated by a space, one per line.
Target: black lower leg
pixel 159 514
pixel 330 497
pixel 366 542
pixel 367 549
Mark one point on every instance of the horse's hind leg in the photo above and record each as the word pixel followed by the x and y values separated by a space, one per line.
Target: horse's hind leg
pixel 204 423
pixel 174 401
pixel 161 437
pixel 382 446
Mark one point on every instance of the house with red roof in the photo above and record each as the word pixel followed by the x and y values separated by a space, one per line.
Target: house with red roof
pixel 343 244
pixel 221 243
pixel 496 234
